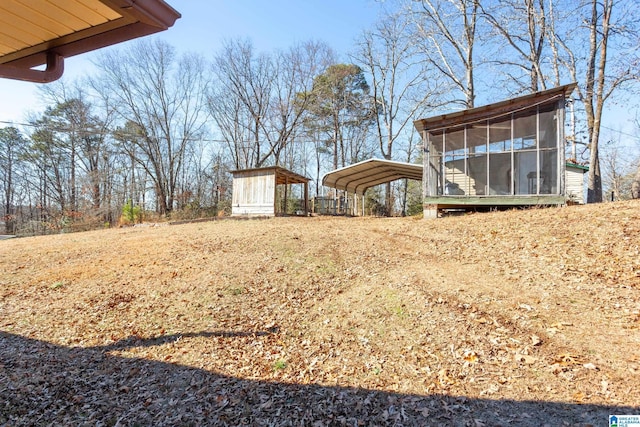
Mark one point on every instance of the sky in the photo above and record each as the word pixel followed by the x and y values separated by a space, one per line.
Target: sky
pixel 270 25
pixel 205 24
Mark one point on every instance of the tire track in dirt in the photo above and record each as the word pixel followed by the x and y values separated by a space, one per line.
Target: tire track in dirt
pixel 563 363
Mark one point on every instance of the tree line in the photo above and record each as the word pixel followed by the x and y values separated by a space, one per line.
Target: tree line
pixel 160 130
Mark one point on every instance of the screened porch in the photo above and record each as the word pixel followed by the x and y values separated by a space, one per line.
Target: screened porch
pixel 505 154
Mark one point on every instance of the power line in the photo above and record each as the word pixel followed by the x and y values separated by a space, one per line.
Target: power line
pixel 620 132
pixel 86 132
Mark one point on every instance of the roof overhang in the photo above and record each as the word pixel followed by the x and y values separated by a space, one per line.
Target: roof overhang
pixel 493 110
pixel 358 177
pixel 45 32
pixel 576 166
pixel 283 176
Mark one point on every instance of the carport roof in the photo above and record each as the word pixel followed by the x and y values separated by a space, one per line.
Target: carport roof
pixel 358 177
pixel 33 33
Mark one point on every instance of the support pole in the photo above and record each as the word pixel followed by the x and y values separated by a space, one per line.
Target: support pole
pixel 306 198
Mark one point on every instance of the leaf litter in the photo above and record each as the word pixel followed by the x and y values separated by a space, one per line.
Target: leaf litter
pixel 516 317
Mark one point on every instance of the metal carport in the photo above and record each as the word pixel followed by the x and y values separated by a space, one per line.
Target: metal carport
pixel 358 177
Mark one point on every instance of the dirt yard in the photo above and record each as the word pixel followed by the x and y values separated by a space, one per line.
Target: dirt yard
pixel 524 318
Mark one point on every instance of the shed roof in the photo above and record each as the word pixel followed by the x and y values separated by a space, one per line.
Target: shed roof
pixel 358 177
pixel 33 33
pixel 493 110
pixel 583 168
pixel 283 176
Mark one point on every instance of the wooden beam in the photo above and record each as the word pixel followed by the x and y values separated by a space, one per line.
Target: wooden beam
pixel 461 118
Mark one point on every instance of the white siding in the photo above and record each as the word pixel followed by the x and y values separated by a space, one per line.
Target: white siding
pixel 463 184
pixel 575 184
pixel 253 194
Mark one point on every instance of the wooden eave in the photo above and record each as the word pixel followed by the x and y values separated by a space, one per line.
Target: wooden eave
pixel 460 118
pixel 283 176
pixel 46 32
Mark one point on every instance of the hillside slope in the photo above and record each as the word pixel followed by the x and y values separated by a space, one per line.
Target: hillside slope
pixel 513 318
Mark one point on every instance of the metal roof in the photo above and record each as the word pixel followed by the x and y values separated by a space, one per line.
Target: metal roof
pixel 358 177
pixel 283 176
pixel 583 168
pixel 33 33
pixel 485 112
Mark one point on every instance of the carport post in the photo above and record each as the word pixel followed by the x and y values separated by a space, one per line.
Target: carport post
pixel 306 198
pixel 355 204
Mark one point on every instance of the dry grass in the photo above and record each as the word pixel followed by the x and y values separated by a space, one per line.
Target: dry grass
pixel 523 317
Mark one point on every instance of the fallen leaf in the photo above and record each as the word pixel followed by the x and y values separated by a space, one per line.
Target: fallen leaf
pixel 524 358
pixel 470 356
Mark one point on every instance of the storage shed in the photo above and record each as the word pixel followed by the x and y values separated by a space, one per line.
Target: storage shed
pixel 575 182
pixel 267 192
pixel 502 155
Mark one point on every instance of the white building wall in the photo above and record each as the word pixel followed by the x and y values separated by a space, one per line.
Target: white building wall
pixel 254 194
pixel 574 184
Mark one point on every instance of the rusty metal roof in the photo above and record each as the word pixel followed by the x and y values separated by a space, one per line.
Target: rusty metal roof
pixel 485 112
pixel 44 32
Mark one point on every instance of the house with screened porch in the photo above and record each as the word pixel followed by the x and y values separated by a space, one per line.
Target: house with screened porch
pixel 502 155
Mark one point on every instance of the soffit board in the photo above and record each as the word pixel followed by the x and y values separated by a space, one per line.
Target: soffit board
pixel 32 31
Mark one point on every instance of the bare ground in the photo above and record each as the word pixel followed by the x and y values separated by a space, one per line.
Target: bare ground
pixel 518 318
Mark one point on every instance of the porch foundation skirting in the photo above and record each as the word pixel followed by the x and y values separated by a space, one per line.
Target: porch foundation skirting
pixel 433 204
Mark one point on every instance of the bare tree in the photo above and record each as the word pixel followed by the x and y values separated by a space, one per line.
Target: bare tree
pixel 522 25
pixel 260 99
pixel 240 102
pixel 446 33
pixel 164 96
pixel 12 144
pixel 232 121
pixel 635 185
pixel 600 32
pixel 296 69
pixel 618 168
pixel 399 83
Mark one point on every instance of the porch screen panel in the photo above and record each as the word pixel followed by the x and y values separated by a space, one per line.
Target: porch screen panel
pixel 477 160
pixel 456 181
pixel 548 181
pixel 525 149
pixel 500 173
pixel 433 174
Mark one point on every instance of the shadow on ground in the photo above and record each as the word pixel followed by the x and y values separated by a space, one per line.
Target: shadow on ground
pixel 46 384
